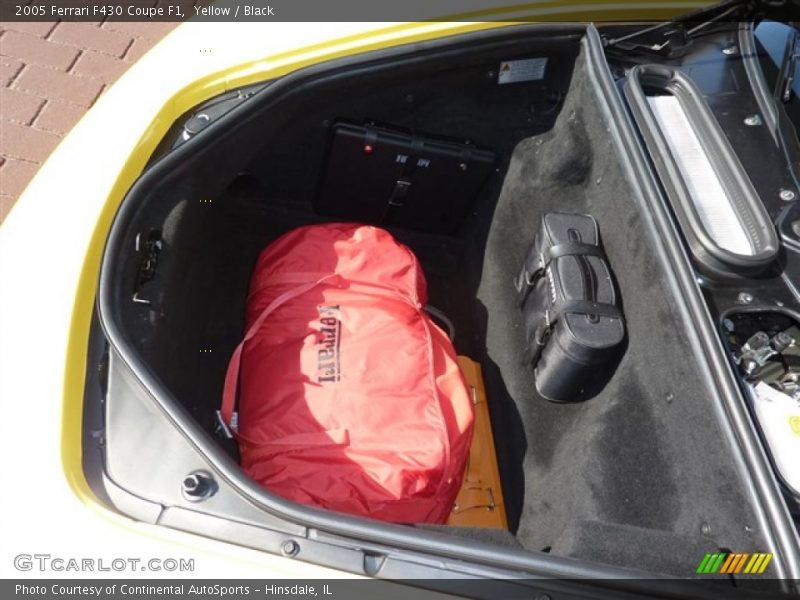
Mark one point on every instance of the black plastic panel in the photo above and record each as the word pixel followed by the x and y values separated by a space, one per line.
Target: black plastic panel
pixel 402 178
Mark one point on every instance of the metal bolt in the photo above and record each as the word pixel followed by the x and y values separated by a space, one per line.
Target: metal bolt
pixel 787 195
pixel 744 298
pixel 753 120
pixel 782 341
pixel 197 123
pixel 705 529
pixel 290 548
pixel 198 486
pixel 669 397
pixel 730 50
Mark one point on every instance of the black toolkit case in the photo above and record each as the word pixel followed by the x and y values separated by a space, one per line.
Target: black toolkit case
pixel 574 326
pixel 395 177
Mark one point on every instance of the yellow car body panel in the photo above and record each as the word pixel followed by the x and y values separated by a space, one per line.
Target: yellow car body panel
pixel 51 246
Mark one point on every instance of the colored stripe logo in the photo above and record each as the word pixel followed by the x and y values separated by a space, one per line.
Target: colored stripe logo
pixel 730 563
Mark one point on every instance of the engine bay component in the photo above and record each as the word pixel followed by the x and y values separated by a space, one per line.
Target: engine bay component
pixel 778 414
pixel 766 348
pixel 773 360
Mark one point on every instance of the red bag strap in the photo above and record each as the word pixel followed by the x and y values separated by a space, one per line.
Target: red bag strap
pixel 232 374
pixel 330 438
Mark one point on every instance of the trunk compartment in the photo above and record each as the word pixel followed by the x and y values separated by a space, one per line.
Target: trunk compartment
pixel 643 464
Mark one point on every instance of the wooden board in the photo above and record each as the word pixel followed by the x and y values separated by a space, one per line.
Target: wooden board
pixel 480 500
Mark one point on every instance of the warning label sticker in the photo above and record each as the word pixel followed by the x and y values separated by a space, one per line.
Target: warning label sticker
pixel 515 71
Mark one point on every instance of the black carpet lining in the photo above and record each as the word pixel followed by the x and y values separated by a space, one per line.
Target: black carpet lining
pixel 647 451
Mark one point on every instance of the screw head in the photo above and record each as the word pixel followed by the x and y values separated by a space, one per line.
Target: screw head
pixel 744 298
pixel 705 529
pixel 749 366
pixel 753 120
pixel 787 195
pixel 730 50
pixel 669 397
pixel 290 548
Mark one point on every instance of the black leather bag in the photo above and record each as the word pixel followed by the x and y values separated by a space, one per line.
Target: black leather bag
pixel 575 329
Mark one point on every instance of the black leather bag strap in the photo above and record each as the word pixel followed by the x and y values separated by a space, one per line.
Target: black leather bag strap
pixel 584 307
pixel 531 273
pixel 402 186
pixel 581 307
pixel 571 249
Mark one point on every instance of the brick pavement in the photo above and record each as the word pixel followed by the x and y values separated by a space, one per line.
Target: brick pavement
pixel 50 74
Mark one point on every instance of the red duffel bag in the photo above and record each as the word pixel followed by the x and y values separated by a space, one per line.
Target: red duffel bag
pixel 349 397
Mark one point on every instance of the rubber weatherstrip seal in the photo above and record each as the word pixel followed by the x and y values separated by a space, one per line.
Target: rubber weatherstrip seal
pixel 714 260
